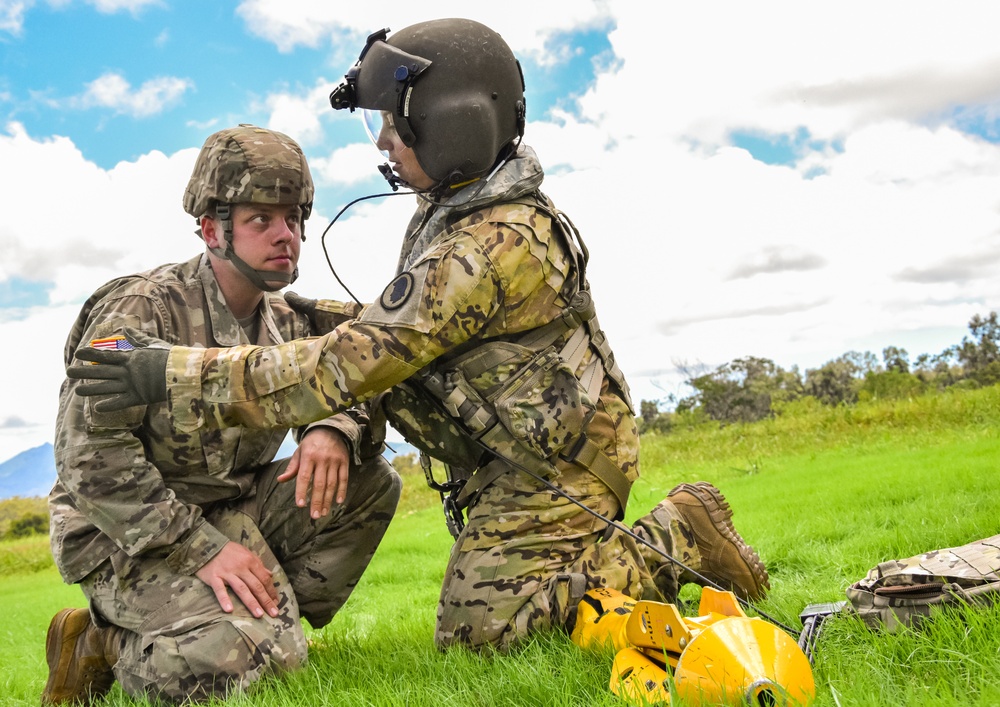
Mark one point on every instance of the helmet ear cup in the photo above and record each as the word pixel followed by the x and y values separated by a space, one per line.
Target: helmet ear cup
pixel 478 136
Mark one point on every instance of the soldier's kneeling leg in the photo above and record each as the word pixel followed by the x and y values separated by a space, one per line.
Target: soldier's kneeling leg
pixel 325 558
pixel 525 559
pixel 178 643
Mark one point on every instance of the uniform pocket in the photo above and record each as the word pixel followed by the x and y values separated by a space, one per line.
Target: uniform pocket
pixel 267 370
pixel 544 405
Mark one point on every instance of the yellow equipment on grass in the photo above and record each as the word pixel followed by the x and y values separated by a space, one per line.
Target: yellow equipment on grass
pixel 721 656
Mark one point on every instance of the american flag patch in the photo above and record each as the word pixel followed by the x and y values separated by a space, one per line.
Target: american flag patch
pixel 113 343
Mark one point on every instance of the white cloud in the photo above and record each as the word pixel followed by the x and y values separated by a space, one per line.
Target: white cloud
pixel 108 223
pixel 12 15
pixel 112 90
pixel 699 252
pixel 781 65
pixel 362 246
pixel 33 394
pixel 112 6
pixel 299 115
pixel 345 166
pixel 289 23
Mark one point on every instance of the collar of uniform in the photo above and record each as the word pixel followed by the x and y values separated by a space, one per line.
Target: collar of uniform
pixel 226 331
pixel 520 175
pixel 269 332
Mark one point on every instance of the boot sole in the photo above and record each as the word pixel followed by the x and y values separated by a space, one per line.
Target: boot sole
pixel 721 515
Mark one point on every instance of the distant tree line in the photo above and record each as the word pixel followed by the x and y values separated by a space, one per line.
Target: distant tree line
pixel 750 389
pixel 23 517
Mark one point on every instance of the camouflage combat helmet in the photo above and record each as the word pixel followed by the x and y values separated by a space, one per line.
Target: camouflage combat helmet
pixel 243 165
pixel 454 89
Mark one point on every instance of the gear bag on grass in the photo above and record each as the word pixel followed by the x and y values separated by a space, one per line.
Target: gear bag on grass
pixel 903 592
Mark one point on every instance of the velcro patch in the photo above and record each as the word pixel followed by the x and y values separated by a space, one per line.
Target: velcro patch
pixel 398 291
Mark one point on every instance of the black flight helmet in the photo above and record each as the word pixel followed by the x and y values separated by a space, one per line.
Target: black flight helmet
pixel 453 89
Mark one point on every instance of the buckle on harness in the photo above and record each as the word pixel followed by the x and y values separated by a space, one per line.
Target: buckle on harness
pixel 452 514
pixel 449 491
pixel 580 452
pixel 575 450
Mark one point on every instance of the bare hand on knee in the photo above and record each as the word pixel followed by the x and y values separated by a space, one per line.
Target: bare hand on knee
pixel 242 571
pixel 323 461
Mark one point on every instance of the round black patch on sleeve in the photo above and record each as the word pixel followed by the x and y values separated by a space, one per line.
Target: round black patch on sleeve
pixel 398 291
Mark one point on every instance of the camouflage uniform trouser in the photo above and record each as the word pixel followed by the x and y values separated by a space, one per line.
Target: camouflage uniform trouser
pixel 527 556
pixel 178 642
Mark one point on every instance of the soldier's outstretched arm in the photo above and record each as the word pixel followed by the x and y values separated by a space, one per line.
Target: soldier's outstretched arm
pixel 439 304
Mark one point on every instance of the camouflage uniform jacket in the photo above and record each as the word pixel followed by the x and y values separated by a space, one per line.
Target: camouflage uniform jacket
pixel 484 269
pixel 128 480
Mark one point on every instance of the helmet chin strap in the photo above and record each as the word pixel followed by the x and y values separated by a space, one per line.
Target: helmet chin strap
pixel 266 280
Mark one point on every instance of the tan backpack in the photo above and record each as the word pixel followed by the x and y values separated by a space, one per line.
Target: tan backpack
pixel 903 592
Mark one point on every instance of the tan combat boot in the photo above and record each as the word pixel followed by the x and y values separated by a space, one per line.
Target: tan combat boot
pixel 725 558
pixel 80 656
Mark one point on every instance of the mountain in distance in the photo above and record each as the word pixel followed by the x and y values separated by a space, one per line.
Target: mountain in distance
pixel 30 473
pixel 33 471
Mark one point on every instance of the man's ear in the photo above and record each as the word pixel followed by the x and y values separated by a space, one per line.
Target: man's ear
pixel 211 232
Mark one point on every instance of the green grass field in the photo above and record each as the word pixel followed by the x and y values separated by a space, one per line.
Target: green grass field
pixel 822 494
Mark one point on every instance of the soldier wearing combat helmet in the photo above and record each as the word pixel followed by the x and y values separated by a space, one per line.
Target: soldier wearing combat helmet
pixel 198 554
pixel 489 344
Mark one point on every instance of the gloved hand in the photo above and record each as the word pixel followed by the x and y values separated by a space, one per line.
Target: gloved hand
pixel 325 315
pixel 137 377
pixel 301 304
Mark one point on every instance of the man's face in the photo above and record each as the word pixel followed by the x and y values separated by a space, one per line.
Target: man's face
pixel 268 236
pixel 403 159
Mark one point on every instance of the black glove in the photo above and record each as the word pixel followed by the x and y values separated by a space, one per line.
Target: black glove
pixel 301 304
pixel 325 315
pixel 130 378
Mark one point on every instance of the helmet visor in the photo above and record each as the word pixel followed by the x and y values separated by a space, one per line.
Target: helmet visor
pixel 376 122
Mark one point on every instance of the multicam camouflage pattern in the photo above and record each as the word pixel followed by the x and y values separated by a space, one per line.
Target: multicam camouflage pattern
pixel 486 269
pixel 180 646
pixel 527 556
pixel 492 273
pixel 903 592
pixel 248 164
pixel 158 504
pixel 131 469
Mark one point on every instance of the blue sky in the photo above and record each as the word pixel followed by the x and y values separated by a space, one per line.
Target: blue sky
pixel 211 69
pixel 770 179
pixel 163 76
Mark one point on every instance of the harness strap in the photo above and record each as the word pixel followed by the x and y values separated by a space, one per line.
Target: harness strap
pixel 479 482
pixel 563 226
pixel 580 318
pixel 580 310
pixel 584 452
pixel 592 378
pixel 575 347
pixel 599 340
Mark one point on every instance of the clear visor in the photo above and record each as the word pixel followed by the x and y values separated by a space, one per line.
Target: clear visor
pixel 377 121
